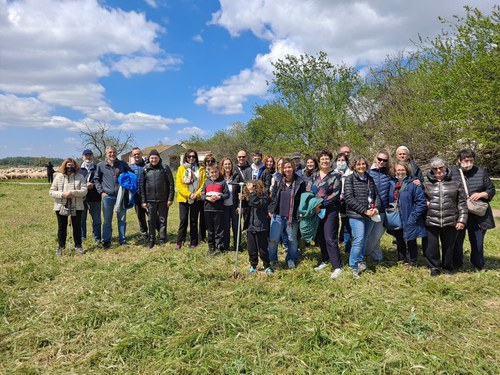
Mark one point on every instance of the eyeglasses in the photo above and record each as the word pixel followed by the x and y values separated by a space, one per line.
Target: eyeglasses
pixel 134 155
pixel 383 160
pixel 191 156
pixel 242 157
pixel 209 161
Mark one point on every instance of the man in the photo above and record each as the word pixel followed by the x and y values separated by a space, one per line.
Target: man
pixel 243 173
pixel 403 154
pixel 92 202
pixel 156 187
pixel 479 188
pixel 298 167
pixel 106 183
pixel 50 171
pixel 345 150
pixel 137 168
pixel 259 171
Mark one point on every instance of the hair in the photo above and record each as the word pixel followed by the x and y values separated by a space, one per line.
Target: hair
pixel 308 172
pixel 257 153
pixel 209 156
pixel 355 160
pixel 403 148
pixel 437 162
pixel 259 188
pixel 222 166
pixel 292 163
pixel 267 158
pixel 389 160
pixel 404 164
pixel 136 148
pixel 466 153
pixel 324 152
pixel 109 147
pixel 277 163
pixel 62 168
pixel 190 151
pixel 213 167
pixel 342 155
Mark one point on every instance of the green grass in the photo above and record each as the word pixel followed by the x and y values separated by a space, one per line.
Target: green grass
pixel 134 311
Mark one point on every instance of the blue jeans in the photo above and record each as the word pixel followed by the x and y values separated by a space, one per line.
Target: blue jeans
pixel 95 213
pixel 108 203
pixel 346 228
pixel 278 225
pixel 372 247
pixel 360 229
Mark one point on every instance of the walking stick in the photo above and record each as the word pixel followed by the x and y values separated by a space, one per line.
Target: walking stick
pixel 70 231
pixel 235 273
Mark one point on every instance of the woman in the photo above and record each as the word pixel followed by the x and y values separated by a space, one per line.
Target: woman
pixel 342 167
pixel 412 205
pixel 310 168
pixel 326 184
pixel 208 161
pixel 188 182
pixel 277 175
pixel 230 218
pixel 446 215
pixel 381 172
pixel 283 211
pixel 68 190
pixel 480 188
pixel 363 203
pixel 268 172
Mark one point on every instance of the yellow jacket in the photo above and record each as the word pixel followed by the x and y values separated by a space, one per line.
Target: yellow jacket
pixel 183 191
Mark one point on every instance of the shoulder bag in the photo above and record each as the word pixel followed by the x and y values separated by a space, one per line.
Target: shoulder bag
pixel 478 207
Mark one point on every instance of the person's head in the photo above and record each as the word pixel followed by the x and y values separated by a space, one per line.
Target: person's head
pixel 296 157
pixel 401 170
pixel 288 168
pixel 213 170
pixel 270 162
pixel 242 157
pixel 227 166
pixel 256 185
pixel 87 156
pixel 279 165
pixel 154 157
pixel 359 164
pixel 438 167
pixel 190 157
pixel 325 159
pixel 111 153
pixel 137 154
pixel 342 160
pixel 209 160
pixel 402 153
pixel 69 166
pixel 257 157
pixel 383 160
pixel 345 150
pixel 466 159
pixel 311 163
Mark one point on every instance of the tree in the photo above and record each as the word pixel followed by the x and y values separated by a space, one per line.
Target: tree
pixel 99 137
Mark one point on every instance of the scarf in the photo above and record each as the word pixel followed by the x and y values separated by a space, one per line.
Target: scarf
pixel 292 199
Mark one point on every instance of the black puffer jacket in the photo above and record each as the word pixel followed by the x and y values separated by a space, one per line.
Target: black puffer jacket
pixel 477 180
pixel 357 190
pixel 157 183
pixel 446 201
pixel 259 220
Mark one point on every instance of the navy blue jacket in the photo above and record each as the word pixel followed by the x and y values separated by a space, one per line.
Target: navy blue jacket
pixel 383 182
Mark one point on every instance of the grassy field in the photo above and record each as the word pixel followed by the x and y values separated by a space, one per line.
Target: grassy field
pixel 135 311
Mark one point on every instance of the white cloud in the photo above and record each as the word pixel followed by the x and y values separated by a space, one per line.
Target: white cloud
pixel 152 3
pixel 72 141
pixel 197 38
pixel 193 130
pixel 355 33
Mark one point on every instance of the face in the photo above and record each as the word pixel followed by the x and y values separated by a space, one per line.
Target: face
pixel 280 166
pixel 242 158
pixel 325 162
pixel 257 159
pixel 402 155
pixel 400 171
pixel 70 167
pixel 310 164
pixel 340 158
pixel 345 150
pixel 288 170
pixel 270 163
pixel 467 163
pixel 111 154
pixel 360 167
pixel 214 173
pixel 296 161
pixel 439 172
pixel 191 157
pixel 88 157
pixel 227 165
pixel 209 161
pixel 137 155
pixel 382 160
pixel 154 159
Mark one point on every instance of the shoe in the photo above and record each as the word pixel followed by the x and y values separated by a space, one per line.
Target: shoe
pixel 106 245
pixel 252 270
pixel 80 250
pixel 124 243
pixel 59 251
pixel 178 246
pixel 162 243
pixel 144 236
pixel 448 272
pixel 322 266
pixel 435 272
pixel 291 264
pixel 192 246
pixel 355 273
pixel 336 273
pixel 150 245
pixel 361 266
pixel 268 270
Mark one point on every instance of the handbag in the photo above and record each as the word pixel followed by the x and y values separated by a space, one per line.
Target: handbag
pixel 66 209
pixel 393 217
pixel 478 207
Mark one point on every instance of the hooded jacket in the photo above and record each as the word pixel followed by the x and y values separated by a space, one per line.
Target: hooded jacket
pixel 156 183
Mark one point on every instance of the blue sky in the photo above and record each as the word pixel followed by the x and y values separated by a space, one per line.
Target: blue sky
pixel 164 70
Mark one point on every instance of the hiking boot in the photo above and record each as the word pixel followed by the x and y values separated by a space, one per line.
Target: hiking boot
pixel 80 250
pixel 435 272
pixel 290 264
pixel 162 243
pixel 361 266
pixel 59 251
pixel 124 243
pixel 322 266
pixel 144 236
pixel 106 245
pixel 269 270
pixel 192 246
pixel 355 273
pixel 336 273
pixel 150 245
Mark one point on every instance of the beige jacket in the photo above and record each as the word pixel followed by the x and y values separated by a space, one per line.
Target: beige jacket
pixel 75 183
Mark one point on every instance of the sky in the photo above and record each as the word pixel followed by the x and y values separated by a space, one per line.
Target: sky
pixel 164 70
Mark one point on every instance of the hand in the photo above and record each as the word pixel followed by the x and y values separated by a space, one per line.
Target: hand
pixel 417 182
pixel 144 205
pixel 66 194
pixel 317 208
pixel 104 195
pixel 192 196
pixel 459 226
pixel 477 196
pixel 169 203
pixel 90 185
pixel 241 196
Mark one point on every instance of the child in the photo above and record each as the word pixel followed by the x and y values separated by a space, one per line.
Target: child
pixel 213 193
pixel 258 228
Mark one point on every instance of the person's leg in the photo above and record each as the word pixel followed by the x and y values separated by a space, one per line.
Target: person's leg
pixel 293 242
pixel 432 255
pixel 152 220
pixel 262 244
pixel 476 239
pixel 320 240
pixel 141 217
pixel 401 245
pixel 183 222
pixel 194 210
pixel 358 242
pixel 448 237
pixel 372 243
pixel 210 226
pixel 234 224
pixel 331 229
pixel 413 251
pixel 226 220
pixel 202 229
pixel 162 221
pixel 95 213
pixel 76 222
pixel 219 230
pixel 252 247
pixel 62 230
pixel 108 204
pixel 277 224
pixel 121 218
pixel 458 251
pixel 86 208
pixel 347 234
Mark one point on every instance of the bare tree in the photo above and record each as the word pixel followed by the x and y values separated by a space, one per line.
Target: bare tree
pixel 99 137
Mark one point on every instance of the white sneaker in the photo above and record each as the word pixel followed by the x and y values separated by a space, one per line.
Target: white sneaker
pixel 291 264
pixel 336 273
pixel 361 266
pixel 322 266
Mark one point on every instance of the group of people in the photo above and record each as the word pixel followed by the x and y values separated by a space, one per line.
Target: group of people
pixel 329 199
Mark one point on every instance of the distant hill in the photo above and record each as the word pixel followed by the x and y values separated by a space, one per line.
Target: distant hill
pixel 28 161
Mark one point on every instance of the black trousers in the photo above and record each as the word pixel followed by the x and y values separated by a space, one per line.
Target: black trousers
pixel 327 238
pixel 202 233
pixel 141 216
pixel 188 211
pixel 447 237
pixel 230 220
pixel 257 247
pixel 158 215
pixel 62 228
pixel 476 240
pixel 406 247
pixel 215 229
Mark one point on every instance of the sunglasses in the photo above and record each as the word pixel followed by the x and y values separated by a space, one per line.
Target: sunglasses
pixel 191 156
pixel 136 155
pixel 210 161
pixel 384 160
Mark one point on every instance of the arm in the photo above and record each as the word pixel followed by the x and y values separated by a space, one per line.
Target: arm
pixel 170 184
pixel 462 208
pixel 352 202
pixel 259 202
pixel 82 191
pixel 54 191
pixel 98 179
pixel 182 188
pixel 203 178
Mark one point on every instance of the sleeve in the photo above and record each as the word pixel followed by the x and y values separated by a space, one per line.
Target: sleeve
pixel 258 202
pixel 203 178
pixel 463 212
pixel 54 191
pixel 203 191
pixel 182 188
pixel 82 191
pixel 351 201
pixel 274 197
pixel 420 203
pixel 142 186
pixel 170 183
pixel 335 192
pixel 98 179
pixel 488 186
pixel 225 191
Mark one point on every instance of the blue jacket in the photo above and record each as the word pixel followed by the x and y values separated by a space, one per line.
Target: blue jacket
pixel 412 207
pixel 383 181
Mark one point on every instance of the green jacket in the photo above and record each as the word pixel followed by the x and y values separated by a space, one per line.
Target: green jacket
pixel 309 219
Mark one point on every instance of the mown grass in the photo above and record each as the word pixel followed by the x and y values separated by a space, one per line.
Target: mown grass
pixel 134 311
